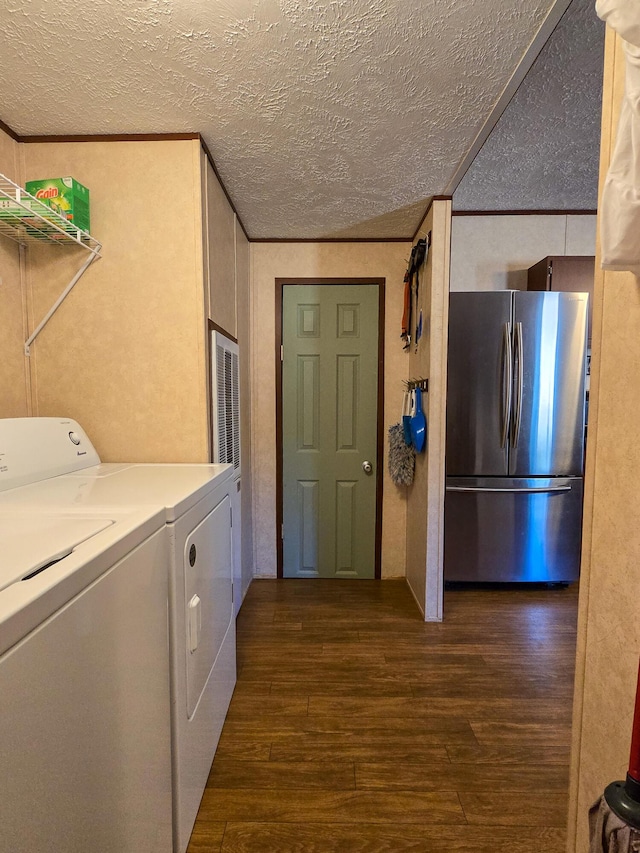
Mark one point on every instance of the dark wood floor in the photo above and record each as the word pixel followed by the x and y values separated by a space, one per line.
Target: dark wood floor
pixel 356 727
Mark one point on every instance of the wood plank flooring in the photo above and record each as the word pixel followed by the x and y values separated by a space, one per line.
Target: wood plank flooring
pixel 357 728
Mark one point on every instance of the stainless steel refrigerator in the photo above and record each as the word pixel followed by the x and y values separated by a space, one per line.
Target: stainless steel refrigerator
pixel 515 436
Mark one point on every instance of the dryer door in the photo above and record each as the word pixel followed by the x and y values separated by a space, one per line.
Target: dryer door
pixel 208 575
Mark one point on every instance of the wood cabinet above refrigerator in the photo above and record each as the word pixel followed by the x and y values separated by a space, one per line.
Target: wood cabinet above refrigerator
pixel 565 273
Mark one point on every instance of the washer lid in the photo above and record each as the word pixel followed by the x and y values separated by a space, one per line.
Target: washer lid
pixel 31 543
pixel 177 487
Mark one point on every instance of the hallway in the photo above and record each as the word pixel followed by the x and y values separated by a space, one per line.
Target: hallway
pixel 357 728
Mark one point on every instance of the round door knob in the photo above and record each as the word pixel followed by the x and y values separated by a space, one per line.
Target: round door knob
pixel 367 467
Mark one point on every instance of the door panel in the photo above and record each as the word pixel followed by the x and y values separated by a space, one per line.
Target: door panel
pixel 477 372
pixel 553 329
pixel 329 428
pixel 308 402
pixel 347 402
pixel 512 529
pixel 208 591
pixel 307 558
pixel 346 497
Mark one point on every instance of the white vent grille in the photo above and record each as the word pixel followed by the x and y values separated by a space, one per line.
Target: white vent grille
pixel 226 399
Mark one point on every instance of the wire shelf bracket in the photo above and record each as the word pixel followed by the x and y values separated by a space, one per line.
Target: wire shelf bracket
pixel 26 220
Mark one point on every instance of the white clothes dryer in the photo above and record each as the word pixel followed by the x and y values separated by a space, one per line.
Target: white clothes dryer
pixel 198 519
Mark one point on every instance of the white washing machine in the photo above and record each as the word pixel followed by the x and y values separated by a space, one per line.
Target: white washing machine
pixel 85 759
pixel 197 515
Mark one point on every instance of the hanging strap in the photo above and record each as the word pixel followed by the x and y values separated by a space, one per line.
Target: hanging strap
pixel 406 313
pixel 417 258
pixel 418 254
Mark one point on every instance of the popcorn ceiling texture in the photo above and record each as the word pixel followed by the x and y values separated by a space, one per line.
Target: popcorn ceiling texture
pixel 324 117
pixel 543 153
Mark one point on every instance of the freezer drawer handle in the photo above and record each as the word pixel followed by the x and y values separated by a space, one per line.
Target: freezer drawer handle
pixel 508 489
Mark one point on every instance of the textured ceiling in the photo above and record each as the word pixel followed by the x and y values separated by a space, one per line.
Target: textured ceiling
pixel 543 152
pixel 324 117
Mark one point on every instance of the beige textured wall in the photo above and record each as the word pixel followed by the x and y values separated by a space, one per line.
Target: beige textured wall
pixel 14 393
pixel 321 260
pixel 425 505
pixel 495 252
pixel 244 342
pixel 220 253
pixel 125 354
pixel 608 625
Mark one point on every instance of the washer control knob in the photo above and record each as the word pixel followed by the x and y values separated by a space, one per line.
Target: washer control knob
pixel 75 438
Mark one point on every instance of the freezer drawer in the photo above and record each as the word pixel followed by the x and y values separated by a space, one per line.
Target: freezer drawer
pixel 513 530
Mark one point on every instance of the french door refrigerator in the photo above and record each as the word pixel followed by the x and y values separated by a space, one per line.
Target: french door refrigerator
pixel 515 436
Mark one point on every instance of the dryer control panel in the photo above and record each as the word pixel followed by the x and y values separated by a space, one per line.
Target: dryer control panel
pixel 34 449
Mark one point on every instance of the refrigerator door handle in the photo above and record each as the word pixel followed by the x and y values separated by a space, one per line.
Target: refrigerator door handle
pixel 508 384
pixel 517 419
pixel 511 489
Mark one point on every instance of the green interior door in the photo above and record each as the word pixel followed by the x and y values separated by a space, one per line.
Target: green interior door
pixel 329 430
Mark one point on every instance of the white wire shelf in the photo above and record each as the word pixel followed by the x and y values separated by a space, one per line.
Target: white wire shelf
pixel 26 220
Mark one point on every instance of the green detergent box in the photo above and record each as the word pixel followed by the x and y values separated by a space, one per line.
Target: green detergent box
pixel 66 196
